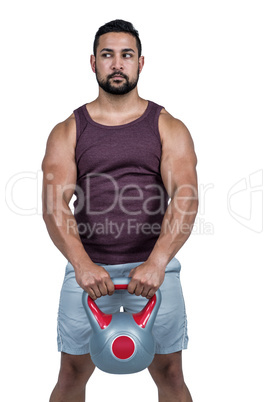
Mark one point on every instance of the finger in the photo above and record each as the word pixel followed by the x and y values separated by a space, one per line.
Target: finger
pixel 91 293
pixel 132 286
pixel 139 290
pixel 145 291
pixel 96 290
pixel 150 294
pixel 131 272
pixel 110 287
pixel 103 289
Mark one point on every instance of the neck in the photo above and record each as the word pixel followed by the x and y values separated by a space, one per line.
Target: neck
pixel 118 103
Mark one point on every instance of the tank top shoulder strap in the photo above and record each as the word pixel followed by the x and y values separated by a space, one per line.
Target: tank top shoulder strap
pixel 153 118
pixel 81 121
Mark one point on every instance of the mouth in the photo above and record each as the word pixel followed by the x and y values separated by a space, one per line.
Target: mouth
pixel 117 76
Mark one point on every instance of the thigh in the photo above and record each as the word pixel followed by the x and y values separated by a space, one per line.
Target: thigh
pixel 74 329
pixel 170 327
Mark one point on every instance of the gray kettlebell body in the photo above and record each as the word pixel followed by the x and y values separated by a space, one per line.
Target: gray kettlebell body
pixel 122 343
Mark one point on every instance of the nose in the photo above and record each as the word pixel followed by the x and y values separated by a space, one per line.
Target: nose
pixel 117 63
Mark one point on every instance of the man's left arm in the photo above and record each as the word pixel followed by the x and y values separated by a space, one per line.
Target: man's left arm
pixel 178 171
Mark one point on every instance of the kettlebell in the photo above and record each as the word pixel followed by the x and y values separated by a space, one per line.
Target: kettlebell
pixel 122 343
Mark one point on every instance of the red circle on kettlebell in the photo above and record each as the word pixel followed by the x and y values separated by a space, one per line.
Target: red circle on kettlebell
pixel 123 347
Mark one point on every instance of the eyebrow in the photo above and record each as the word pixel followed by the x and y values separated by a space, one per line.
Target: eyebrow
pixel 111 50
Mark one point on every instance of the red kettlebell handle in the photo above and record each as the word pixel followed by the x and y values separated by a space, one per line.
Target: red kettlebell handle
pixel 141 318
pixel 119 287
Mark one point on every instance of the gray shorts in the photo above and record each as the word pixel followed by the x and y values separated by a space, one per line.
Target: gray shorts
pixel 170 327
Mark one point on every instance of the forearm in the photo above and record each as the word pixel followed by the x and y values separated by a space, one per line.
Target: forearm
pixel 176 228
pixel 63 230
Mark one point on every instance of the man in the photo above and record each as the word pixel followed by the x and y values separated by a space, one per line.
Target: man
pixel 123 157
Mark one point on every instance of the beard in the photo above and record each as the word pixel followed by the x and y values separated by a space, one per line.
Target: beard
pixel 117 89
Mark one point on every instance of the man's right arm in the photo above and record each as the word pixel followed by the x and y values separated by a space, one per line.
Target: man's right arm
pixel 59 180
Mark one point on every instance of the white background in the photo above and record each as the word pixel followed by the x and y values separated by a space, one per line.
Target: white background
pixel 206 62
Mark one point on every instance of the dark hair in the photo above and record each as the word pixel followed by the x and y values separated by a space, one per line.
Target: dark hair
pixel 117 26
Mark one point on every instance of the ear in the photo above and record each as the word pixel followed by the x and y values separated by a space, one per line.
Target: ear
pixel 93 63
pixel 141 63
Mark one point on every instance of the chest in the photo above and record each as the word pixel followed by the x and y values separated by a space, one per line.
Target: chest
pixel 137 150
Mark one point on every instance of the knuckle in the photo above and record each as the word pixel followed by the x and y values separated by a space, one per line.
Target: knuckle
pixel 88 283
pixel 97 279
pixel 130 289
pixel 149 285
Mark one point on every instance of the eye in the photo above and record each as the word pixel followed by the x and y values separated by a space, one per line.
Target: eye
pixel 127 55
pixel 106 55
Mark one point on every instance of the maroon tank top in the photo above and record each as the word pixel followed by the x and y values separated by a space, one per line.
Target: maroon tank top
pixel 121 199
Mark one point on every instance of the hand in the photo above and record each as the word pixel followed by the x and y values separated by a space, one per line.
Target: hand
pixel 95 280
pixel 146 279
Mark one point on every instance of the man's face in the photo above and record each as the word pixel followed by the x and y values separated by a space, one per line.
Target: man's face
pixel 117 65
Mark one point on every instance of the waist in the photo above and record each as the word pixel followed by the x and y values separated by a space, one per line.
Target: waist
pixel 123 229
pixel 109 196
pixel 110 240
pixel 116 218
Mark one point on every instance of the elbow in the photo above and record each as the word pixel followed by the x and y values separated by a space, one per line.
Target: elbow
pixel 46 217
pixel 186 202
pixel 48 210
pixel 195 206
pixel 190 209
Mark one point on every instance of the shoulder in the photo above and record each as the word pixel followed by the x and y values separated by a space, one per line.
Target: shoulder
pixel 173 131
pixel 61 141
pixel 65 129
pixel 64 132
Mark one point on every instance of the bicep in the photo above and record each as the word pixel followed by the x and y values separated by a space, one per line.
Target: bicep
pixel 178 163
pixel 59 167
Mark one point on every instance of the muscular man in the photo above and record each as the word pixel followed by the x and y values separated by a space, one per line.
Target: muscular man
pixel 132 167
